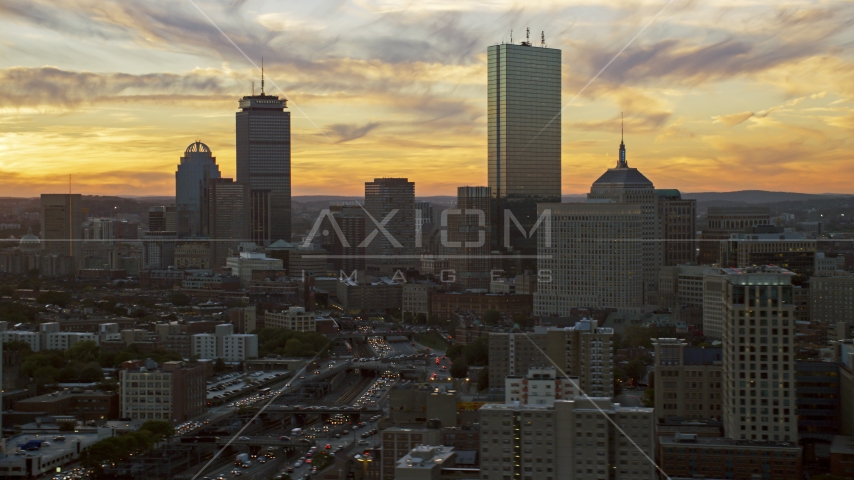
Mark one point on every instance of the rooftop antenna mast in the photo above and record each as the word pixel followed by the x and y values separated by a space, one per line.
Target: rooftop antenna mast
pixel 262 76
pixel 622 124
pixel 528 35
pixel 511 36
pixel 543 38
pixel 253 89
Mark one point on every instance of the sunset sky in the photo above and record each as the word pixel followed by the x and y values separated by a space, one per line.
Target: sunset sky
pixel 720 95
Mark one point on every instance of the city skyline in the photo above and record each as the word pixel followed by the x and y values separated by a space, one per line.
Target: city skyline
pixel 386 89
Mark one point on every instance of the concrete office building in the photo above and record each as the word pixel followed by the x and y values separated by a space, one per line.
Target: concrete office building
pixel 680 289
pixel 714 309
pixel 524 138
pixel 193 254
pixel 415 298
pixel 61 224
pixel 759 355
pixel 678 217
pixel 693 456
pixel 514 354
pixel 594 258
pixel 228 211
pixel 571 440
pixel 174 392
pixel 263 134
pixel 346 248
pixel 625 185
pixel 295 318
pixel 721 222
pixel 245 263
pixel 687 381
pixel 540 386
pixel 832 299
pixel 196 167
pixel 391 199
pixel 585 350
pixel 469 236
pixel 368 293
pixel 789 250
pixel 158 249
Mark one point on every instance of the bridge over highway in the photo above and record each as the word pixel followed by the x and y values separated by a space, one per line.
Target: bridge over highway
pixel 265 441
pixel 321 410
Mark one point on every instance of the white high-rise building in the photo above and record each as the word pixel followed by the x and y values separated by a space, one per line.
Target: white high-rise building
pixel 593 256
pixel 759 395
pixel 239 347
pixel 204 345
pixel 541 386
pixel 571 440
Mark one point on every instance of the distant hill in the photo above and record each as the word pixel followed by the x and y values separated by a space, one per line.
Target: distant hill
pixel 757 197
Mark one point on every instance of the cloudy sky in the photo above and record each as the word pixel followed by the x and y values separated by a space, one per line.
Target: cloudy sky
pixel 718 95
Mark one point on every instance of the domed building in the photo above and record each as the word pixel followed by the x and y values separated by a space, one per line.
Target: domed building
pixel 623 184
pixel 30 244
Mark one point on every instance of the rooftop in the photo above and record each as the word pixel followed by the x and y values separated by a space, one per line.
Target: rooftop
pixel 693 439
pixel 842 445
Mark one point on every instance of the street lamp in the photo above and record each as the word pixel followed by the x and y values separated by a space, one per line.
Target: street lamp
pixel 364 460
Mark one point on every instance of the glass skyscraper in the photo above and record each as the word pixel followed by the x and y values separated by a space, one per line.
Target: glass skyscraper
pixel 524 136
pixel 264 157
pixel 197 167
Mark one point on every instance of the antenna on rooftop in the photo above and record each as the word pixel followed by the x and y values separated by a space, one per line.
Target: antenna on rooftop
pixel 543 38
pixel 511 36
pixel 253 89
pixel 262 76
pixel 528 35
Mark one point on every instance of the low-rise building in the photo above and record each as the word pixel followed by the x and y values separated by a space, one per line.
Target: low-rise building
pixel 242 266
pixel 239 347
pixel 295 318
pixel 687 381
pixel 64 340
pixel 693 456
pixel 175 391
pixel 397 442
pixel 84 405
pixel 444 304
pixel 424 462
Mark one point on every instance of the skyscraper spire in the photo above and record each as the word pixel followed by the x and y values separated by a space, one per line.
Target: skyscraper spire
pixel 262 76
pixel 621 163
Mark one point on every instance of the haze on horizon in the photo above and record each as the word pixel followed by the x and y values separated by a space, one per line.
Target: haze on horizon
pixel 723 97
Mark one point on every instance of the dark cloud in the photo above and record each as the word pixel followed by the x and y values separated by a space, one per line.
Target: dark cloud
pixel 345 132
pixel 53 87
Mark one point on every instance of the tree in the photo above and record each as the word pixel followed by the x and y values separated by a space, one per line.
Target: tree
pixel 159 428
pixel 649 398
pixel 483 379
pixel 84 352
pixel 293 347
pixel 219 365
pixel 179 299
pixel 477 352
pixel 61 299
pixel 91 374
pixel 46 375
pixel 636 370
pixel 460 369
pixel 17 346
pixel 491 317
pixel 421 319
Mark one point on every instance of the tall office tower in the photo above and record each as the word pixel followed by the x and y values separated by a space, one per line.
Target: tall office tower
pixel 62 224
pixel 469 235
pixel 571 440
pixel 515 354
pixel 595 258
pixel 228 212
pixel 678 218
pixel 721 222
pixel 264 155
pixel 524 123
pixel 261 218
pixel 196 167
pixel 680 289
pixel 157 219
pixel 347 255
pixel 586 351
pixel 623 184
pixel 391 200
pixel 759 355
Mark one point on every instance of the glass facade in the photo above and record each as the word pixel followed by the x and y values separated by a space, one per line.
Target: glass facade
pixel 197 166
pixel 264 156
pixel 524 128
